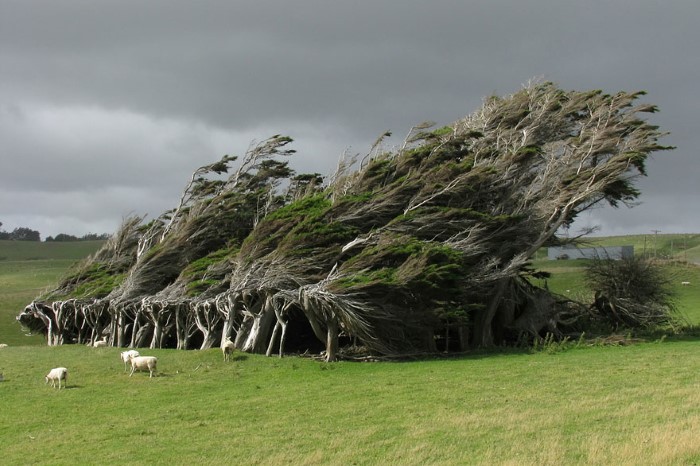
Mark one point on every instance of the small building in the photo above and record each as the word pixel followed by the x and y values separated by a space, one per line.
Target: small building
pixel 607 252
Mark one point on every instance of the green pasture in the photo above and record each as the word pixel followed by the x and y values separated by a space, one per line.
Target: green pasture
pixel 684 247
pixel 37 251
pixel 27 268
pixel 633 405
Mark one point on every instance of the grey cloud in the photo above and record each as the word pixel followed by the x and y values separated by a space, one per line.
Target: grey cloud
pixel 160 87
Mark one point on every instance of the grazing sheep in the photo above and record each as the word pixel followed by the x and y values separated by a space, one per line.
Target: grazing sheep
pixel 100 344
pixel 3 345
pixel 56 375
pixel 227 349
pixel 127 355
pixel 143 363
pixel 685 283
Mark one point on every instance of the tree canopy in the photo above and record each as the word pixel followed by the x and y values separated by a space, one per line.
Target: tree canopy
pixel 396 253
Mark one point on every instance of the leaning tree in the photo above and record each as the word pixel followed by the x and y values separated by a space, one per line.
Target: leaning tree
pixel 399 252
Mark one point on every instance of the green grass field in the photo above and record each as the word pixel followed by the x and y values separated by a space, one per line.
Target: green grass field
pixel 26 269
pixel 585 404
pixel 36 251
pixel 600 405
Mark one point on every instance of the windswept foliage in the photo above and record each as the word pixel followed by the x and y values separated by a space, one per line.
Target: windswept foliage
pixel 631 293
pixel 412 249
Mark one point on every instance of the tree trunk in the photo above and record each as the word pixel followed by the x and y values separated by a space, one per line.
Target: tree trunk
pixel 207 317
pixel 447 335
pixel 243 331
pixel 483 331
pixel 58 308
pixel 157 334
pixel 276 330
pixel 283 337
pixel 135 331
pixel 332 341
pixel 463 333
pixel 229 309
pixel 281 314
pixel 184 324
pixel 209 339
pixel 259 331
pixel 120 329
pixel 142 335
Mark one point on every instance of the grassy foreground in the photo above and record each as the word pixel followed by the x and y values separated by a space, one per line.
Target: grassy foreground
pixel 602 405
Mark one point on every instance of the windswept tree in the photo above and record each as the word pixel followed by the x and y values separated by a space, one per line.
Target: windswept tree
pixel 424 248
pixel 632 293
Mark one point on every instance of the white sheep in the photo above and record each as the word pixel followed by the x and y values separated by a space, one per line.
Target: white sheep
pixel 3 345
pixel 127 355
pixel 143 363
pixel 100 344
pixel 56 375
pixel 685 283
pixel 227 349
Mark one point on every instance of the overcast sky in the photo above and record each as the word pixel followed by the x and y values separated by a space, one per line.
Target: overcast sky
pixel 106 107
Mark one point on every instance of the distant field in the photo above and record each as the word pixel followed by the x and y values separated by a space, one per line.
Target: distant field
pixel 35 250
pixel 567 275
pixel 27 268
pixel 663 246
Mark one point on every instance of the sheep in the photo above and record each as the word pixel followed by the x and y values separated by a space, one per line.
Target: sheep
pixel 685 283
pixel 227 349
pixel 100 343
pixel 142 363
pixel 3 345
pixel 56 375
pixel 127 355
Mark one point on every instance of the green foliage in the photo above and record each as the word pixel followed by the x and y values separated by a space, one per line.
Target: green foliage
pixel 378 167
pixel 632 292
pixel 401 261
pixel 311 206
pixel 94 283
pixel 199 286
pixel 383 275
pixel 444 131
pixel 352 200
pixel 208 271
pixel 304 225
pixel 316 232
pixel 199 267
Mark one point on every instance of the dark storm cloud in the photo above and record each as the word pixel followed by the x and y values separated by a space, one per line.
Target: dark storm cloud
pixel 120 97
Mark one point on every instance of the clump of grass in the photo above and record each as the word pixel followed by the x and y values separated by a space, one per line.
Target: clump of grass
pixel 551 345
